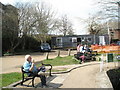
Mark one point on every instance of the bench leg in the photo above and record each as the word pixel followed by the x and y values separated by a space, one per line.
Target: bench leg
pixel 22 79
pixel 22 83
pixel 50 73
pixel 33 81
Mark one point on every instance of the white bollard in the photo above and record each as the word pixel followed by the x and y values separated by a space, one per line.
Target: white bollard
pixel 102 63
pixel 69 51
pixel 101 66
pixel 58 54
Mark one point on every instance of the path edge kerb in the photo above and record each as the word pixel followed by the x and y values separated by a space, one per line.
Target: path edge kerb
pixel 69 70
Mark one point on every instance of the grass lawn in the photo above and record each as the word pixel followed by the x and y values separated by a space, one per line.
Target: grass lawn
pixel 10 78
pixel 59 61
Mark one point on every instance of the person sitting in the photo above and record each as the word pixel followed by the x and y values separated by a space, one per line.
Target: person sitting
pixel 88 50
pixel 81 48
pixel 78 48
pixel 30 66
pixel 82 57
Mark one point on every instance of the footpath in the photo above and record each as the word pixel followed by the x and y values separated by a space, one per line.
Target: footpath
pixel 86 75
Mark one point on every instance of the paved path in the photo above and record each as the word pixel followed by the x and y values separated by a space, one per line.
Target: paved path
pixel 87 75
pixel 84 77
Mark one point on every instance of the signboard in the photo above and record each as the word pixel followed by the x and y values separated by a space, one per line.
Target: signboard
pixel 101 40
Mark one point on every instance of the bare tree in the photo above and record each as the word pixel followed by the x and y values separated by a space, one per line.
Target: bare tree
pixel 71 30
pixel 45 21
pixel 35 20
pixel 65 26
pixel 94 24
pixel 110 8
pixel 26 21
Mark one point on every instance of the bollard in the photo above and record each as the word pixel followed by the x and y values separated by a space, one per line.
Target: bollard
pixel 47 54
pixel 102 63
pixel 69 51
pixel 58 53
pixel 101 66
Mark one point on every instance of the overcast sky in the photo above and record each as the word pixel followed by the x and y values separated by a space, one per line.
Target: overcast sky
pixel 74 9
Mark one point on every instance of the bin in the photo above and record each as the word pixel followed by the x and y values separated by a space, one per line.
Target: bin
pixel 110 57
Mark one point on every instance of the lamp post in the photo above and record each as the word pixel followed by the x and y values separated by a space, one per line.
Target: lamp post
pixel 118 14
pixel 94 39
pixel 118 21
pixel 108 31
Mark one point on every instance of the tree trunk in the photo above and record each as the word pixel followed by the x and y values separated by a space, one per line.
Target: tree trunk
pixel 23 46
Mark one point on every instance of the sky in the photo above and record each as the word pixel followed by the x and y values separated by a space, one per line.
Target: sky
pixel 74 9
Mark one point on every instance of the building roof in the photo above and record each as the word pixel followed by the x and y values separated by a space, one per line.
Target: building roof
pixel 80 35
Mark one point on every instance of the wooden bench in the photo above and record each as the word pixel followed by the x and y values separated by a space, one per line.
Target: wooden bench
pixel 88 57
pixel 26 77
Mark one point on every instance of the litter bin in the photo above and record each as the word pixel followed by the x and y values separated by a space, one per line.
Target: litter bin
pixel 110 57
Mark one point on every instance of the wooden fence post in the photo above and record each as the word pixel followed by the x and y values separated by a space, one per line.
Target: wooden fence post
pixel 58 53
pixel 69 51
pixel 47 54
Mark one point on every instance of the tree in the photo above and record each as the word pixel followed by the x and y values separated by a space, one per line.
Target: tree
pixel 35 20
pixel 110 8
pixel 45 21
pixel 9 28
pixel 26 21
pixel 65 26
pixel 94 24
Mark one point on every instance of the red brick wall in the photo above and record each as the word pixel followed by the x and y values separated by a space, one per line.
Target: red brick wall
pixel 115 34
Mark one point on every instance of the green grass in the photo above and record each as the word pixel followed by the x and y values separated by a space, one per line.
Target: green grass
pixel 116 60
pixel 10 78
pixel 0 80
pixel 59 61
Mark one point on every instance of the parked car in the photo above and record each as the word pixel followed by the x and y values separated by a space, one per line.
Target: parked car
pixel 45 47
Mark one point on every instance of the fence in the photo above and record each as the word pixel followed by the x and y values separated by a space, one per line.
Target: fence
pixel 106 49
pixel 59 53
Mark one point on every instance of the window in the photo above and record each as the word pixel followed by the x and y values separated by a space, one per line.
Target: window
pixel 112 33
pixel 89 39
pixel 82 38
pixel 59 40
pixel 78 39
pixel 74 39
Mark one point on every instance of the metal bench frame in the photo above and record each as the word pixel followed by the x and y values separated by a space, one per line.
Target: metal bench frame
pixel 25 78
